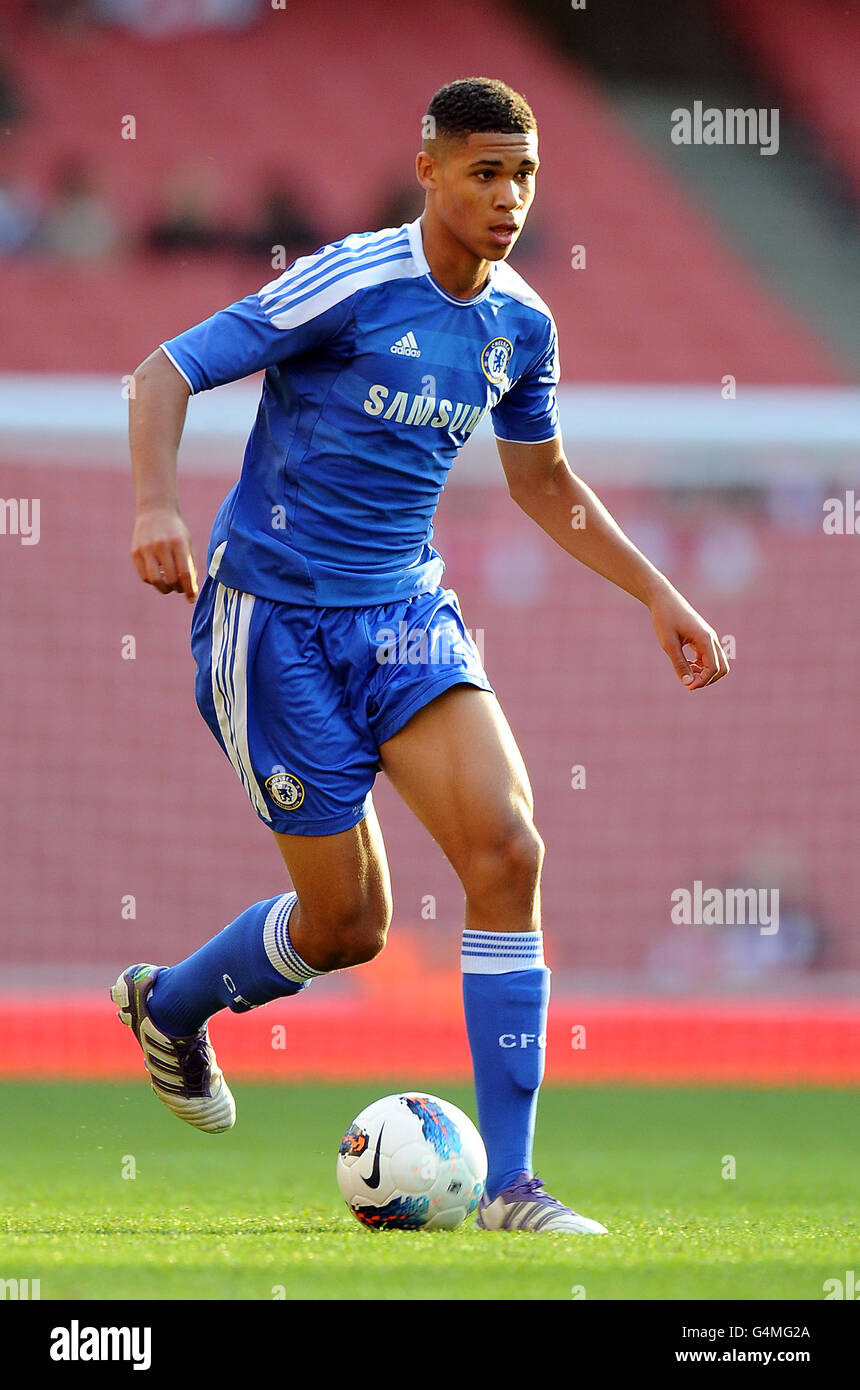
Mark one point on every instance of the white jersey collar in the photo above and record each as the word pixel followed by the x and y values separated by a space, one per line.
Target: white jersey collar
pixel 416 242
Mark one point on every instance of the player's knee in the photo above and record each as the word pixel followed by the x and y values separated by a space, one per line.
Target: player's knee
pixel 352 934
pixel 357 950
pixel 509 866
pixel 522 857
pixel 356 946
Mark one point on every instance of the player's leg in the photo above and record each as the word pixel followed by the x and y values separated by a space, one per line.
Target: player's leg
pixel 256 959
pixel 266 690
pixel 337 916
pixel 343 888
pixel 457 765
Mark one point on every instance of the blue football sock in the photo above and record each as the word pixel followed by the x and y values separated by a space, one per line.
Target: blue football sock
pixel 249 963
pixel 506 996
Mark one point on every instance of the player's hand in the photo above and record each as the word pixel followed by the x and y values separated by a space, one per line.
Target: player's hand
pixel 678 625
pixel 162 554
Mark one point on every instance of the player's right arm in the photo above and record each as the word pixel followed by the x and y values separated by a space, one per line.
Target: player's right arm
pixel 298 312
pixel 161 543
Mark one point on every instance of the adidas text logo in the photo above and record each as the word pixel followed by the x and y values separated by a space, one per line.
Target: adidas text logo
pixel 406 346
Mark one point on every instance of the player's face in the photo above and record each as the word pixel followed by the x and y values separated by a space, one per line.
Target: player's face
pixel 483 189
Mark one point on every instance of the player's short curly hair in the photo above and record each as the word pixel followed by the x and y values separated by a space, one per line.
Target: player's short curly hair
pixel 476 104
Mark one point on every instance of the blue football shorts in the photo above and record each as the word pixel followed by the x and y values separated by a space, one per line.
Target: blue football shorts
pixel 300 698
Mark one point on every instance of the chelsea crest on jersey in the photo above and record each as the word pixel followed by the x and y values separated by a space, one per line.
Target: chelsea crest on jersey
pixel 375 377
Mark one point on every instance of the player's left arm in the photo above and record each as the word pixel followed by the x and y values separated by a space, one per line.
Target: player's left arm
pixel 543 485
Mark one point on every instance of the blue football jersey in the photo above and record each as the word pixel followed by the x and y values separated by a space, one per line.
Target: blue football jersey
pixel 374 379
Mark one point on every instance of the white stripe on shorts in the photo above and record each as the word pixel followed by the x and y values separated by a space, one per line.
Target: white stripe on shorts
pixel 230 625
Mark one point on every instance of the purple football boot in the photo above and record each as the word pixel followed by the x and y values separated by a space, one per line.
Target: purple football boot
pixel 524 1206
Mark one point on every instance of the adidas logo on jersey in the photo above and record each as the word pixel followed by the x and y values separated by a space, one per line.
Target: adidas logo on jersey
pixel 406 346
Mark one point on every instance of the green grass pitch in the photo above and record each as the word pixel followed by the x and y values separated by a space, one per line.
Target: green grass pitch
pixel 256 1213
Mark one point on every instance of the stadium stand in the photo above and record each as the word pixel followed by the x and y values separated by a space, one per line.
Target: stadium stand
pixel 809 51
pixel 657 272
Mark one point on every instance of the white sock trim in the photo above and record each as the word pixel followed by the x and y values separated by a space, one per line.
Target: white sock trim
pixel 499 953
pixel 278 946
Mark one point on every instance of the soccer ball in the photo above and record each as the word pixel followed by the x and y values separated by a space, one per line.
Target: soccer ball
pixel 412 1162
